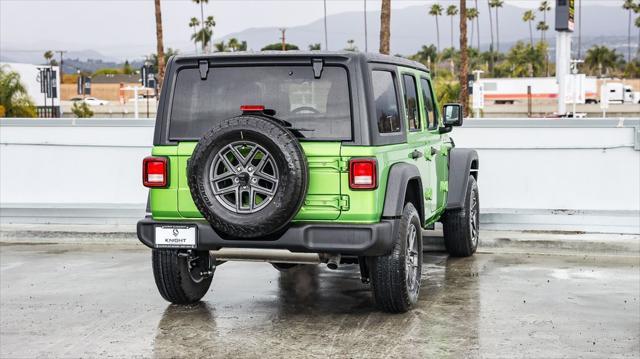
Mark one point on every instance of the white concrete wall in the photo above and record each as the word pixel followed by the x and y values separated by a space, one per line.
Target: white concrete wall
pixel 534 174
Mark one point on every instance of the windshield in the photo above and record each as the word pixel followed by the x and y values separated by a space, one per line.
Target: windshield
pixel 319 108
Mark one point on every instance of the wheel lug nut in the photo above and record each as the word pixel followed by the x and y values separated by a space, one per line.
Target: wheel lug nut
pixel 254 180
pixel 244 187
pixel 250 169
pixel 239 169
pixel 237 179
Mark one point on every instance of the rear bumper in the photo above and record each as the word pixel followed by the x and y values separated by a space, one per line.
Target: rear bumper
pixel 347 239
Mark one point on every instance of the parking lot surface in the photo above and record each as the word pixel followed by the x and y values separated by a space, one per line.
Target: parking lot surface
pixel 66 300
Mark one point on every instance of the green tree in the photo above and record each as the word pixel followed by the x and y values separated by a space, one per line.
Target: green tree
pixel 436 10
pixel 236 45
pixel 81 109
pixel 14 98
pixel 194 23
pixel 601 60
pixel 452 11
pixel 427 54
pixel 524 60
pixel 529 16
pixel 315 47
pixel 48 56
pixel 497 4
pixel 278 47
pixel 127 69
pixel 153 58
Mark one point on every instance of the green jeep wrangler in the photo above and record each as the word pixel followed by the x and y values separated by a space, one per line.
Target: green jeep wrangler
pixel 304 157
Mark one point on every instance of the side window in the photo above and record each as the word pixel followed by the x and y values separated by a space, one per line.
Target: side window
pixel 386 99
pixel 429 104
pixel 411 102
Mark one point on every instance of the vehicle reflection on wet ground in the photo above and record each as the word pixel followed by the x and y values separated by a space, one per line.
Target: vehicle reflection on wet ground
pixel 95 300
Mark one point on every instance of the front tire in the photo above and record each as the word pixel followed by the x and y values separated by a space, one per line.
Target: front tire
pixel 179 275
pixel 395 277
pixel 461 226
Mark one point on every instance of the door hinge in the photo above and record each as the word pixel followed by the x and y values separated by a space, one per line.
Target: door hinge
pixel 344 203
pixel 428 194
pixel 343 165
pixel 444 186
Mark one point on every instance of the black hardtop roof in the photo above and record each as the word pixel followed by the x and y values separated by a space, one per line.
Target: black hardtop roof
pixel 264 55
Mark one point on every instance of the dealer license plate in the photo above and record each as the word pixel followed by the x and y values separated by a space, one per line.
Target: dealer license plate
pixel 176 236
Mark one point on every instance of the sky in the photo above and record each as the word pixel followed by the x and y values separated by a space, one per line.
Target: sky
pixel 126 28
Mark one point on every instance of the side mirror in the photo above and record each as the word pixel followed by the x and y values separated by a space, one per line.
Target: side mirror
pixel 452 114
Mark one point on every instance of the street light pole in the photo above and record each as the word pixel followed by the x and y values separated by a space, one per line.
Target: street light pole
pixel 366 45
pixel 326 37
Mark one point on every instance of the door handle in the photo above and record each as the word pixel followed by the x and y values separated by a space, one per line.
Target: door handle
pixel 415 154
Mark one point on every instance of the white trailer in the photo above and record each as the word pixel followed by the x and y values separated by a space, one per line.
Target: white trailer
pixel 512 90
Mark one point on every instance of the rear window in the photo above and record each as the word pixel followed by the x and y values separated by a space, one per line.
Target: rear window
pixel 319 108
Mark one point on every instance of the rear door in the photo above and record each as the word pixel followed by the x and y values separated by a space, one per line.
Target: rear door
pixel 324 200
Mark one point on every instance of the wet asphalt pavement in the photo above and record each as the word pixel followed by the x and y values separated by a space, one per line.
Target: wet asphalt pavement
pixel 101 301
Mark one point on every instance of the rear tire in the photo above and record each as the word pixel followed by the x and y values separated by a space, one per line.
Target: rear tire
pixel 178 278
pixel 461 226
pixel 395 277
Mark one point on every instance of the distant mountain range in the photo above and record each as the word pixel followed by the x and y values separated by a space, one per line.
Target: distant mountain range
pixel 411 27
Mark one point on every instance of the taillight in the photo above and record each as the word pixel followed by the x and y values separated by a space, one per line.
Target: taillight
pixel 363 173
pixel 252 108
pixel 154 172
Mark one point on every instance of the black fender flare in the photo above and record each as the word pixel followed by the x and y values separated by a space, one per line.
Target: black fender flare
pixel 462 163
pixel 397 181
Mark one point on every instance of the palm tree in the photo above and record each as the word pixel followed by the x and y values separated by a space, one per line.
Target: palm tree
pixel 544 7
pixel 630 6
pixel 235 45
pixel 497 4
pixel 601 58
pixel 14 97
pixel 490 27
pixel 452 11
pixel 205 34
pixel 464 90
pixel 201 3
pixel 385 26
pixel 477 23
pixel 48 55
pixel 351 45
pixel 159 43
pixel 638 26
pixel 436 10
pixel 529 17
pixel 194 23
pixel 315 47
pixel 472 14
pixel 221 46
pixel 542 27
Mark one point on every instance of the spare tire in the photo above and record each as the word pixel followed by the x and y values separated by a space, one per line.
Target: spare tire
pixel 248 176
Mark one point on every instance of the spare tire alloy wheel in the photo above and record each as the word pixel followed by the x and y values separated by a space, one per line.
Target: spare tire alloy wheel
pixel 248 176
pixel 244 177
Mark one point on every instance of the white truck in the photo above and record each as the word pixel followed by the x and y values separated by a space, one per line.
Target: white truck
pixel 621 93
